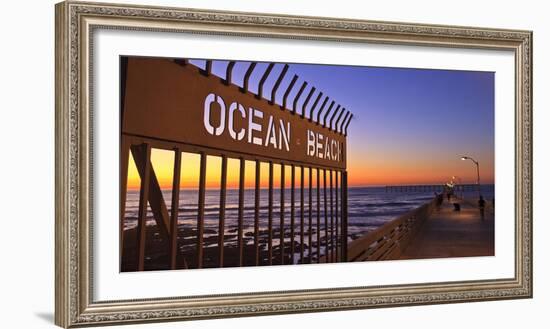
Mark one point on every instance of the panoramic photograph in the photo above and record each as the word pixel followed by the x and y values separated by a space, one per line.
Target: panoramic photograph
pixel 237 163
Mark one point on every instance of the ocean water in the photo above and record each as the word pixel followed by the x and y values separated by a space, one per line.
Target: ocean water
pixel 368 208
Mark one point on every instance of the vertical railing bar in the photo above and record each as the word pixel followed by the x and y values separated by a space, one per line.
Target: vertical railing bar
pixel 347 124
pixel 301 214
pixel 142 212
pixel 297 97
pixel 229 72
pixel 208 67
pixel 314 106
pixel 277 84
pixel 292 208
pixel 125 158
pixel 336 174
pixel 332 117
pixel 241 212
pixel 247 76
pixel 200 215
pixel 327 113
pixel 287 92
pixel 318 216
pixel 343 122
pixel 342 236
pixel 325 213
pixel 345 216
pixel 310 211
pixel 257 216
pixel 175 204
pixel 221 228
pixel 338 119
pixel 321 110
pixel 262 80
pixel 282 215
pixel 270 215
pixel 331 220
pixel 308 97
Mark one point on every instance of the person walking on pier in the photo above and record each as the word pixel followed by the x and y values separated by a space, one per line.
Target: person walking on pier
pixel 481 204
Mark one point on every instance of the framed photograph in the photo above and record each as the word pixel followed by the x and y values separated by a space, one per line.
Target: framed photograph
pixel 218 164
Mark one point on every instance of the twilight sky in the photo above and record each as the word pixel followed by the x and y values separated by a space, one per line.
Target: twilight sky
pixel 410 126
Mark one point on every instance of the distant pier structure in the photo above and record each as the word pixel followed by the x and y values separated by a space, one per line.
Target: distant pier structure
pixel 430 188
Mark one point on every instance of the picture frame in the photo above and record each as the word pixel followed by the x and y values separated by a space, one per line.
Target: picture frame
pixel 76 23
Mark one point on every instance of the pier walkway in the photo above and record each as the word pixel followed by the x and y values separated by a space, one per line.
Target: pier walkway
pixel 430 232
pixel 449 233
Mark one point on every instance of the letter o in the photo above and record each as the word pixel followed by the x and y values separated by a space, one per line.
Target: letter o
pixel 211 98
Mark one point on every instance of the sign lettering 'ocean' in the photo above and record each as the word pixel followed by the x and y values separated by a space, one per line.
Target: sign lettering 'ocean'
pixel 180 103
pixel 262 129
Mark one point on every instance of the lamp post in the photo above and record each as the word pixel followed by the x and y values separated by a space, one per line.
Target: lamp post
pixel 477 166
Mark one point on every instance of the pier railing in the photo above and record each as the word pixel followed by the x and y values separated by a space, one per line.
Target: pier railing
pixel 157 113
pixel 391 239
pixel 430 188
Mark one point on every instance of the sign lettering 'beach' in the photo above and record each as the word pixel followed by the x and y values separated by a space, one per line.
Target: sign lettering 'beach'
pixel 262 129
pixel 179 103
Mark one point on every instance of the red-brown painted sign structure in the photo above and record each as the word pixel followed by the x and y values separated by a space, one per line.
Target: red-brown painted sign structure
pixel 177 103
pixel 173 105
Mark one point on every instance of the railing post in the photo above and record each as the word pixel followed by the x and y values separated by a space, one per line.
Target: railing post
pixel 282 216
pixel 270 216
pixel 142 212
pixel 221 227
pixel 175 209
pixel 200 215
pixel 344 201
pixel 240 240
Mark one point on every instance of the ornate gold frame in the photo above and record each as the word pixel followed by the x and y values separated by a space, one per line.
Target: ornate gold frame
pixel 76 21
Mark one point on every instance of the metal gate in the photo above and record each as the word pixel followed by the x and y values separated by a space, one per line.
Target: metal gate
pixel 172 105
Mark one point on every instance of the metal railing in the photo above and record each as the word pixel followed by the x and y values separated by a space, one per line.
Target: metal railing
pixel 391 239
pixel 329 223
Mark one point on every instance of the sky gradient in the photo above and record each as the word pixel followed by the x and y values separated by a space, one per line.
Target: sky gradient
pixel 410 126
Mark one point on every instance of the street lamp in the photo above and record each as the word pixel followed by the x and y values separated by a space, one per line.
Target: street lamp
pixel 477 166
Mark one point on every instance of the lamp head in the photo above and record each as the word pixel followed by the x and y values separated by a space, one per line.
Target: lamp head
pixel 464 158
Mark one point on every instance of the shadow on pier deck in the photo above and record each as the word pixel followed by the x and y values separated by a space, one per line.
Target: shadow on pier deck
pixel 428 232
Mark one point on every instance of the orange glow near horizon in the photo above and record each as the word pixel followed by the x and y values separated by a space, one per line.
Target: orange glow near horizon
pixel 361 171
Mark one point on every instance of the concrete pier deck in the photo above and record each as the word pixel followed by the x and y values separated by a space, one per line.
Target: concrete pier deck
pixel 449 233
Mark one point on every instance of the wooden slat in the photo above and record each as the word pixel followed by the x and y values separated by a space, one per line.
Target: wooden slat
pixel 175 204
pixel 221 225
pixel 292 208
pixel 257 216
pixel 200 215
pixel 325 213
pixel 301 214
pixel 270 216
pixel 142 211
pixel 240 219
pixel 282 217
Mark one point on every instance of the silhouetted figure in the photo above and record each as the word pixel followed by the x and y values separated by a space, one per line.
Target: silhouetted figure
pixel 439 200
pixel 481 204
